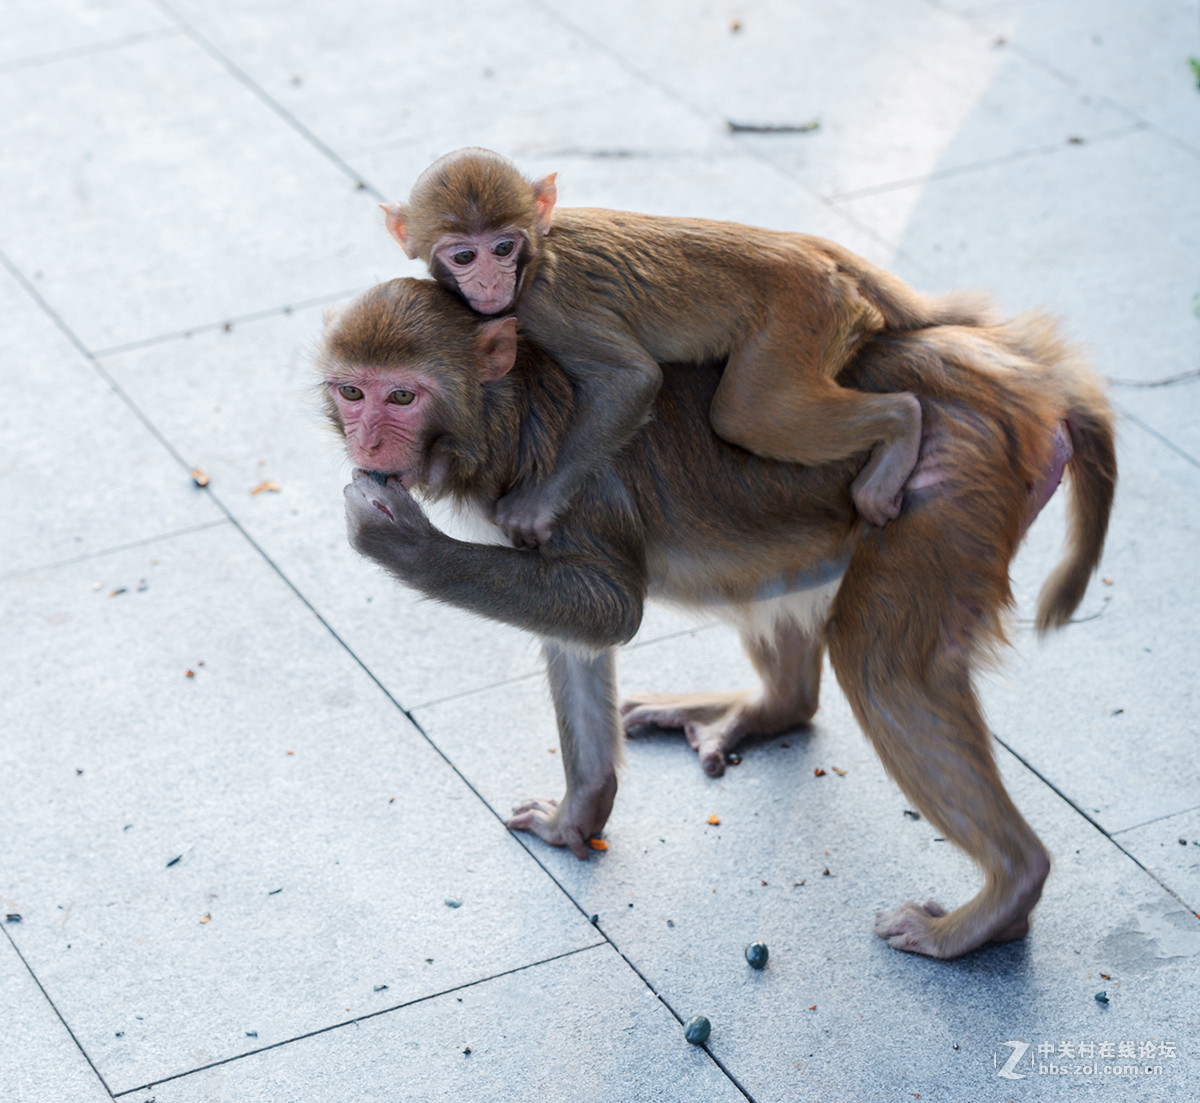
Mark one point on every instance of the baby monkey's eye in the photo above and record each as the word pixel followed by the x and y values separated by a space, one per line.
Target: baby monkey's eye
pixel 463 257
pixel 351 393
pixel 401 398
pixel 503 248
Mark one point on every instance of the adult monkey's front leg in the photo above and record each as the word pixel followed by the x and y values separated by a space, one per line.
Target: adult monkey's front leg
pixel 583 686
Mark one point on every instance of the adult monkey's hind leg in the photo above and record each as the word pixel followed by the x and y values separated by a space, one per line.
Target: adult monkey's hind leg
pixel 914 699
pixel 778 396
pixel 788 661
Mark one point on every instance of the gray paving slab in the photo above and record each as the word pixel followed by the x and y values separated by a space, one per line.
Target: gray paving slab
pixel 582 1028
pixel 475 64
pixel 1171 410
pixel 1133 55
pixel 39 1059
pixel 1106 709
pixel 1170 849
pixel 35 31
pixel 132 489
pixel 151 192
pixel 318 836
pixel 837 1014
pixel 1042 232
pixel 913 90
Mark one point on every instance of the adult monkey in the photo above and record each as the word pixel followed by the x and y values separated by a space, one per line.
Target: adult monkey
pixel 610 295
pixel 428 398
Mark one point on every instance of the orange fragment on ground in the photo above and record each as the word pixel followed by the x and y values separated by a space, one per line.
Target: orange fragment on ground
pixel 818 772
pixel 266 486
pixel 714 820
pixel 597 844
pixel 198 477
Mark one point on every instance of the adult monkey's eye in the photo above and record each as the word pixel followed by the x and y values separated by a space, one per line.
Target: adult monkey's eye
pixel 401 398
pixel 503 248
pixel 351 393
pixel 463 257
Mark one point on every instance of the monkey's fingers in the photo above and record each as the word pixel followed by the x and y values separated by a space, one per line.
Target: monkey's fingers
pixel 526 517
pixel 542 816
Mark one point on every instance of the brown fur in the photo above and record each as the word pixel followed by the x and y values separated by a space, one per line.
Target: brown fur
pixel 681 515
pixel 611 295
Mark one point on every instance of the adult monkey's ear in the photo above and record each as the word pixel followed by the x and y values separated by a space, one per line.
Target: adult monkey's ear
pixel 545 195
pixel 497 343
pixel 396 220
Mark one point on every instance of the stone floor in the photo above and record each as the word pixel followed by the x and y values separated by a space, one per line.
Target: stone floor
pixel 245 778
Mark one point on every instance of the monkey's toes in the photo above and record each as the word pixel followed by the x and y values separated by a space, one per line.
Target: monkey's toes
pixel 712 762
pixel 911 927
pixel 879 510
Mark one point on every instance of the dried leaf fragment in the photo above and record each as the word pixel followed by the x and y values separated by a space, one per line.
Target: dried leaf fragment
pixel 206 917
pixel 818 772
pixel 266 487
pixel 840 773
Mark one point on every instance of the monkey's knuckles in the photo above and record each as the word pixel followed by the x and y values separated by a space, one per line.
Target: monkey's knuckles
pixel 525 518
pixel 543 817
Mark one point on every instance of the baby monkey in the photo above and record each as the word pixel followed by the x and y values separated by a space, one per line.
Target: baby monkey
pixel 610 295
